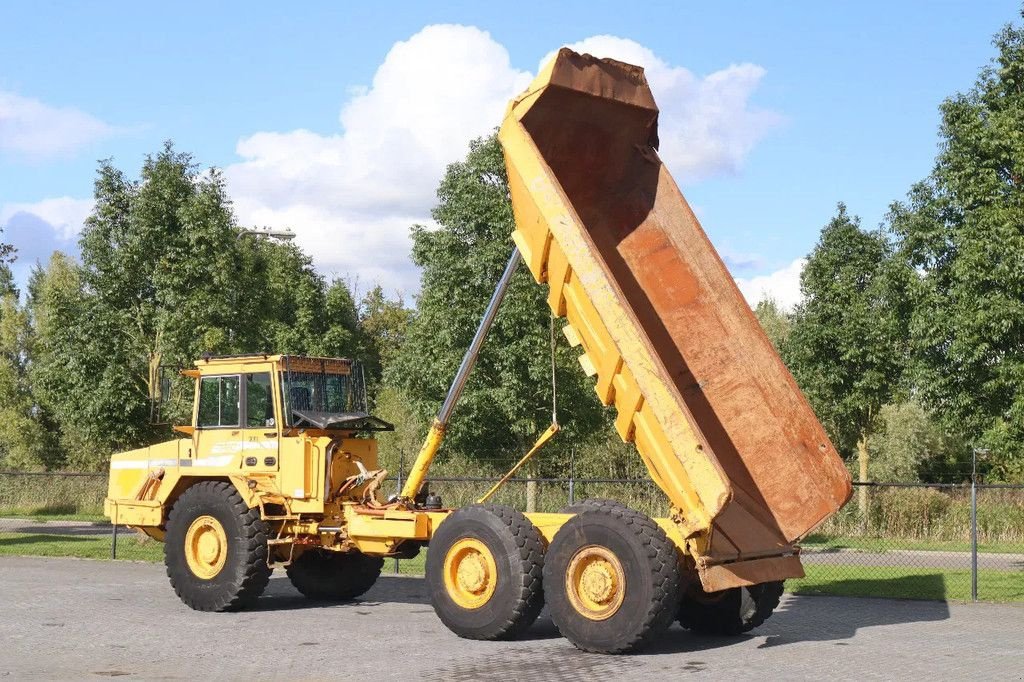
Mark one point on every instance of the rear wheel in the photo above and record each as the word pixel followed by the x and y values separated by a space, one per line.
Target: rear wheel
pixel 729 612
pixel 323 575
pixel 484 571
pixel 215 549
pixel 612 580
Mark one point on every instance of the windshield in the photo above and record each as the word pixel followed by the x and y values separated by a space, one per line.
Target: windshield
pixel 321 392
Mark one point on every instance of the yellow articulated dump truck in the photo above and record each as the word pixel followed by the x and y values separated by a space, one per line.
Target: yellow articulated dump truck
pixel 279 469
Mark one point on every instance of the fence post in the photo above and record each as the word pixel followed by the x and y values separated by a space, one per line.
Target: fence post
pixel 401 466
pixel 572 476
pixel 974 524
pixel 113 541
pixel 974 540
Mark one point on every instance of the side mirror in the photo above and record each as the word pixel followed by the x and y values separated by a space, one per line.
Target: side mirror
pixel 163 390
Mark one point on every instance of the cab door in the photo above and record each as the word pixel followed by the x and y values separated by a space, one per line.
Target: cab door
pixel 218 420
pixel 261 428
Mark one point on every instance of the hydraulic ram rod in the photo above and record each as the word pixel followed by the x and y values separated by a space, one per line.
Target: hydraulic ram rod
pixel 436 433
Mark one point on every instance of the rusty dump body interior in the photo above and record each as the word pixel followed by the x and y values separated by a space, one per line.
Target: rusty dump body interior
pixel 716 416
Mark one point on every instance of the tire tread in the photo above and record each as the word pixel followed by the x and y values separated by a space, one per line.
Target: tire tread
pixel 252 540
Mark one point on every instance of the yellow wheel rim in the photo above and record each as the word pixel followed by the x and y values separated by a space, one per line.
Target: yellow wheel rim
pixel 206 547
pixel 470 574
pixel 595 582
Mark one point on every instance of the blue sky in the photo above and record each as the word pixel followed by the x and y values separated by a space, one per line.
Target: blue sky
pixel 337 119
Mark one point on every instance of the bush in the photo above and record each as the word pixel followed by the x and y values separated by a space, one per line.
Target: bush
pixel 932 514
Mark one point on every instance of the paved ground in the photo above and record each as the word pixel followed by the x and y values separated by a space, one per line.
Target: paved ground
pixel 78 619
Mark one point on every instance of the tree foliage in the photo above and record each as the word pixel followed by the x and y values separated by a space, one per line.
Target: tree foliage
pixel 774 320
pixel 911 445
pixel 962 232
pixel 507 400
pixel 166 276
pixel 846 343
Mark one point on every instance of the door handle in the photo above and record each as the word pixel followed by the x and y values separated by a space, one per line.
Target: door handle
pixel 270 434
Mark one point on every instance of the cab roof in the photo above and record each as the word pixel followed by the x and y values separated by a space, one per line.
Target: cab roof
pixel 295 363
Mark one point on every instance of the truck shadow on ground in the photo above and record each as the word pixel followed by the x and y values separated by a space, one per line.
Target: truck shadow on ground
pixel 281 596
pixel 817 618
pixel 800 618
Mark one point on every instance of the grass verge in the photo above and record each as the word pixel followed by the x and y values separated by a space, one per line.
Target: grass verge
pixel 896 582
pixel 129 546
pixel 817 541
pixel 48 516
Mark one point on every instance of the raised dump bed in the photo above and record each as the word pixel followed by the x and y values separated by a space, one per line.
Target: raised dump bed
pixel 716 416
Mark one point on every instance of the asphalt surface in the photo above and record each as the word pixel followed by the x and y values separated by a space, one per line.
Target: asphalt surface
pixel 80 619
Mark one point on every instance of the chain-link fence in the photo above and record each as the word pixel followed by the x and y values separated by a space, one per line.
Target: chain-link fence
pixel 61 514
pixel 925 541
pixel 917 541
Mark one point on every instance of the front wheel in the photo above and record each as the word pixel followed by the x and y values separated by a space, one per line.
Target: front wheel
pixel 215 549
pixel 729 612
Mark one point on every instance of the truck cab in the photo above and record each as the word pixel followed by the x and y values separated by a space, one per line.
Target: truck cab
pixel 282 429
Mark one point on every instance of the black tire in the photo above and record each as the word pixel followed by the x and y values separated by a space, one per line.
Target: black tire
pixel 244 573
pixel 323 575
pixel 593 503
pixel 729 612
pixel 517 548
pixel 649 562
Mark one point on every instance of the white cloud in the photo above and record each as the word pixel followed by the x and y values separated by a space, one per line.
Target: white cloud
pixel 34 130
pixel 707 125
pixel 65 215
pixel 351 196
pixel 783 286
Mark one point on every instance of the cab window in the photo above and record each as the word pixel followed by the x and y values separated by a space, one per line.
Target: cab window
pixel 219 402
pixel 259 403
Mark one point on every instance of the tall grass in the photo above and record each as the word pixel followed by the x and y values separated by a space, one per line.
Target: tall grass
pixel 932 514
pixel 52 494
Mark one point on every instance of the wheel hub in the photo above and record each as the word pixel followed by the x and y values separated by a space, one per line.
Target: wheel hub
pixel 598 582
pixel 206 546
pixel 473 573
pixel 595 582
pixel 470 573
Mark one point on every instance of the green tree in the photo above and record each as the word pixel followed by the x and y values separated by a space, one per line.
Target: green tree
pixel 507 400
pixel 383 323
pixel 962 231
pixel 166 276
pixel 7 256
pixel 25 439
pixel 289 308
pixel 774 320
pixel 911 445
pixel 158 285
pixel 61 367
pixel 845 347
